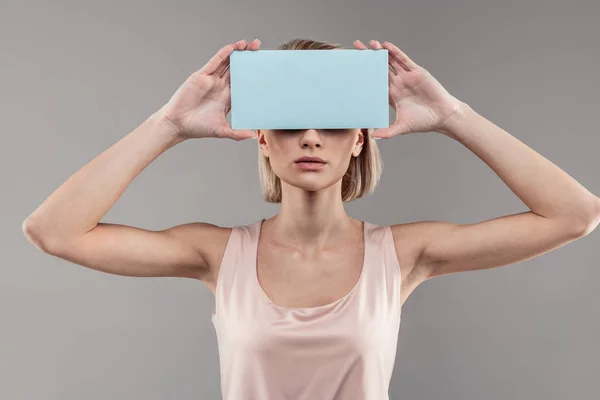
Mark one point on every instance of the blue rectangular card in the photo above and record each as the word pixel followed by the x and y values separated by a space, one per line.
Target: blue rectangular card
pixel 301 89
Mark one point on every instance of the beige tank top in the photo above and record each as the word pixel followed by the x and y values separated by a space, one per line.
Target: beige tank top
pixel 344 350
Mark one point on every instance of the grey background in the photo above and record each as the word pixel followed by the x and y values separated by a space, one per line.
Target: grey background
pixel 76 76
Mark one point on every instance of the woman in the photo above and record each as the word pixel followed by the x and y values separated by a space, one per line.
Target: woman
pixel 308 302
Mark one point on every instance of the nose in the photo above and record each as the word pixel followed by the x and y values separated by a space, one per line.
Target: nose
pixel 311 138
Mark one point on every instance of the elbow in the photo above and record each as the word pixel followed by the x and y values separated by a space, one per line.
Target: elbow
pixel 585 229
pixel 584 222
pixel 590 223
pixel 34 235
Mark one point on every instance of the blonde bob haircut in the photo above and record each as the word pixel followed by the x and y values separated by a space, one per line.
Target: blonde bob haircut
pixel 363 172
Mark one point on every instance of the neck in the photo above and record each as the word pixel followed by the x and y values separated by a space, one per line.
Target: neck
pixel 313 221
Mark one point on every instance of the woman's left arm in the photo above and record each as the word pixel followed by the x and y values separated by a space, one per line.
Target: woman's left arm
pixel 562 210
pixel 545 188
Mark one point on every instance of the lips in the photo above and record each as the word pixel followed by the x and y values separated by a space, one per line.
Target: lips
pixel 311 159
pixel 310 165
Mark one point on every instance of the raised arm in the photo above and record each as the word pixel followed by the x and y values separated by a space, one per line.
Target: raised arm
pixel 67 224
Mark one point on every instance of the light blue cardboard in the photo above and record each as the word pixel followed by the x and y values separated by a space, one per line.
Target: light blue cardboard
pixel 301 89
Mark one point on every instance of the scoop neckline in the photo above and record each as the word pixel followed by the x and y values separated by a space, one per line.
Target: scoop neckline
pixel 270 302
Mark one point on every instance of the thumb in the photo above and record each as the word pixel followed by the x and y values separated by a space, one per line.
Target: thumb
pixel 246 133
pixel 393 130
pixel 241 134
pixel 381 133
pixel 224 130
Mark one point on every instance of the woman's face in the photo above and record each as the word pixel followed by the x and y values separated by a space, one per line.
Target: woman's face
pixel 335 146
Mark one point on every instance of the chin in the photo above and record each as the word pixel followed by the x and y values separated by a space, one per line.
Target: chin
pixel 312 183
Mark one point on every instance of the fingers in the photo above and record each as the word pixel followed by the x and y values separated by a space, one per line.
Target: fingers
pixel 397 58
pixel 254 45
pixel 225 74
pixel 220 61
pixel 361 46
pixel 224 63
pixel 216 61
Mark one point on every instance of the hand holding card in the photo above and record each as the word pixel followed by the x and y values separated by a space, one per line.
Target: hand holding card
pixel 200 106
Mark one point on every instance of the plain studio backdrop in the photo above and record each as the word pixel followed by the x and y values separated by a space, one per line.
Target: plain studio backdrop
pixel 76 76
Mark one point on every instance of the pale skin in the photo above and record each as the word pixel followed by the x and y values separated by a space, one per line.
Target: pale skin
pixel 314 238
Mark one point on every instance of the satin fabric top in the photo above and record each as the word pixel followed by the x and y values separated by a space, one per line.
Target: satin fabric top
pixel 344 350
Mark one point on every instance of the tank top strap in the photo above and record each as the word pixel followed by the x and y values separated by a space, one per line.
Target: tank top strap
pixel 234 273
pixel 388 250
pixel 382 282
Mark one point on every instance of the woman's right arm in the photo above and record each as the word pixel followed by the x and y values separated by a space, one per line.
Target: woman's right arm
pixel 67 223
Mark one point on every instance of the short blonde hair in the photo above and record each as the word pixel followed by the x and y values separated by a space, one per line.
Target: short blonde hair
pixel 364 171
